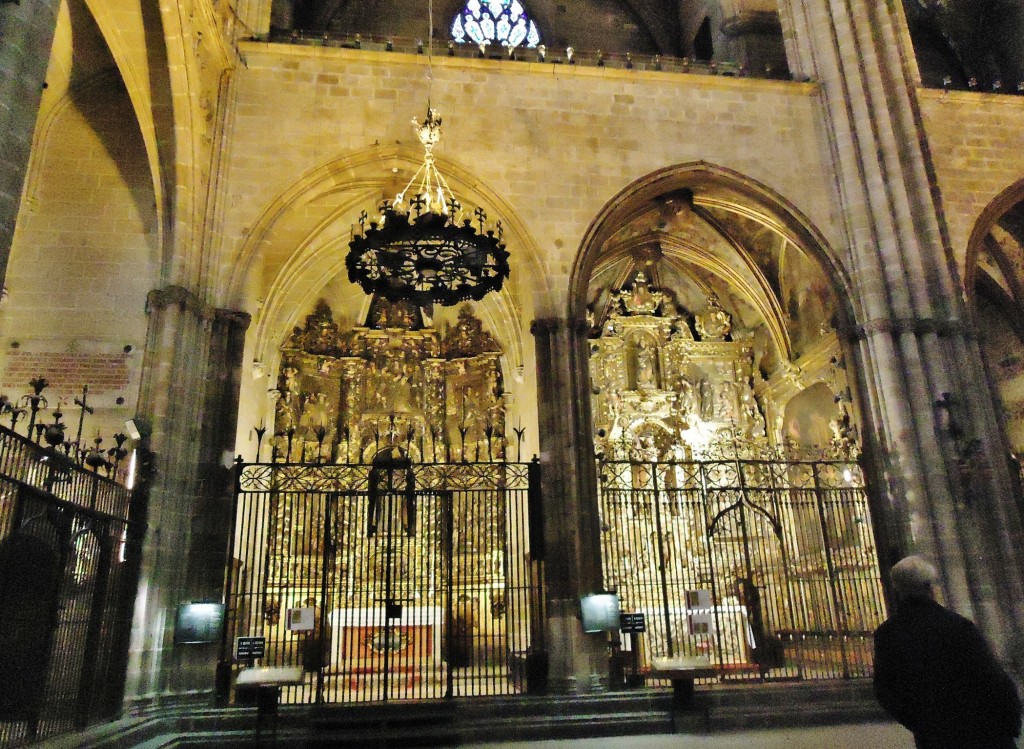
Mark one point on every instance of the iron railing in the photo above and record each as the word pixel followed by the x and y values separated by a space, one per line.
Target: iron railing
pixel 766 568
pixel 68 572
pixel 419 578
pixel 549 55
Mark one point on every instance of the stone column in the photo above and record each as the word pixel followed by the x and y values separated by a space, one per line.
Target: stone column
pixel 211 522
pixel 578 661
pixel 912 344
pixel 189 399
pixel 26 31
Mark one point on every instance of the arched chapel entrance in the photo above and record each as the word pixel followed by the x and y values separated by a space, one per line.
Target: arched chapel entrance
pixel 994 287
pixel 733 510
pixel 383 541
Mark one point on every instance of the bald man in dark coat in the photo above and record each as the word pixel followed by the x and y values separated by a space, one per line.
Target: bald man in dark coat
pixel 936 675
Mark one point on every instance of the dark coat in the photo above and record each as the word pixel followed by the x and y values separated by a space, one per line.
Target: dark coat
pixel 935 674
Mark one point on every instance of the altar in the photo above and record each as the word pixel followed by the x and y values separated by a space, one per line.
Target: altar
pixel 366 640
pixel 721 633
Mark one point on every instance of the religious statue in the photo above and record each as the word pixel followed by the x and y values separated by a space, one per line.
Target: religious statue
pixel 686 400
pixel 844 437
pixel 646 377
pixel 315 412
pixel 706 397
pixel 725 406
pixel 752 414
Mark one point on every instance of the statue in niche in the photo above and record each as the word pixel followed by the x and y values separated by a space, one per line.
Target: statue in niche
pixel 706 395
pixel 648 448
pixel 284 418
pixel 714 324
pixel 315 412
pixel 614 407
pixel 646 376
pixel 726 401
pixel 752 415
pixel 687 400
pixel 287 399
pixel 844 437
pixel 290 391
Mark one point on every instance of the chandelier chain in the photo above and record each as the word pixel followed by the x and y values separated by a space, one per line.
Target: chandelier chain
pixel 430 49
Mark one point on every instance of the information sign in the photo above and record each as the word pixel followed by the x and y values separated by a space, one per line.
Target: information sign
pixel 632 622
pixel 247 648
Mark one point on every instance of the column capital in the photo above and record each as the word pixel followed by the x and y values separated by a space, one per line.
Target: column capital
pixel 234 318
pixel 172 295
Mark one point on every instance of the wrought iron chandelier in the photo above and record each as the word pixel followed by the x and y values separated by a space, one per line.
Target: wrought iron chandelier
pixel 421 248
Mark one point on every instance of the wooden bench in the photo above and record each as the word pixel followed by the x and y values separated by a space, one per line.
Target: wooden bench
pixel 682 671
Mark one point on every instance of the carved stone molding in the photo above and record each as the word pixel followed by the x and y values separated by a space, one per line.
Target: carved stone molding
pixel 917 326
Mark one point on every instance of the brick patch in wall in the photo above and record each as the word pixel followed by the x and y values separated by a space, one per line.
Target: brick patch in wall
pixel 66 372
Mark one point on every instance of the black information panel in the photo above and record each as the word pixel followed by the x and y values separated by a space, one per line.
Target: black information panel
pixel 250 647
pixel 633 622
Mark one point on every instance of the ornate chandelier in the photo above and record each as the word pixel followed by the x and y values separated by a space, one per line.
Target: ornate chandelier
pixel 421 248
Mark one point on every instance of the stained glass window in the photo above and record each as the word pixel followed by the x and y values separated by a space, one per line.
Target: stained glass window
pixel 501 22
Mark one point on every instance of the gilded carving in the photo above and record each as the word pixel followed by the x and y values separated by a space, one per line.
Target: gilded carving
pixel 344 395
pixel 714 324
pixel 658 391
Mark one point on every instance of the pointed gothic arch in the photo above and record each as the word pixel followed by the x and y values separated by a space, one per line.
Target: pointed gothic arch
pixel 994 288
pixel 295 254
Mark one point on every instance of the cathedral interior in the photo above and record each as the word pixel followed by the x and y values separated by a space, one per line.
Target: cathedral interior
pixel 716 306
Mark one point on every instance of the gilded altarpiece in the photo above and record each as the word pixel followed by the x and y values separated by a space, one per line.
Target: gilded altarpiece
pixel 665 393
pixel 344 395
pixel 435 541
pixel 733 546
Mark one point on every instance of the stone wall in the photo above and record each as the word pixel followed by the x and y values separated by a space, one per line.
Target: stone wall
pixel 556 143
pixel 84 258
pixel 975 144
pixel 27 33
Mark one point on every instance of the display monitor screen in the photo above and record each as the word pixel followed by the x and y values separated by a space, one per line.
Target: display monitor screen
pixel 198 623
pixel 600 612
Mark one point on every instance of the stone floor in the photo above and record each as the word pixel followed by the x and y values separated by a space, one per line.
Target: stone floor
pixel 859 736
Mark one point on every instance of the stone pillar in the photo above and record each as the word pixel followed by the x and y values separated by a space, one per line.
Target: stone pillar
pixel 189 399
pixel 578 661
pixel 912 343
pixel 211 521
pixel 26 31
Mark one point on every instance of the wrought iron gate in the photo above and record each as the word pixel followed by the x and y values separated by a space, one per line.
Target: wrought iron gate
pixel 390 580
pixel 68 569
pixel 768 568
